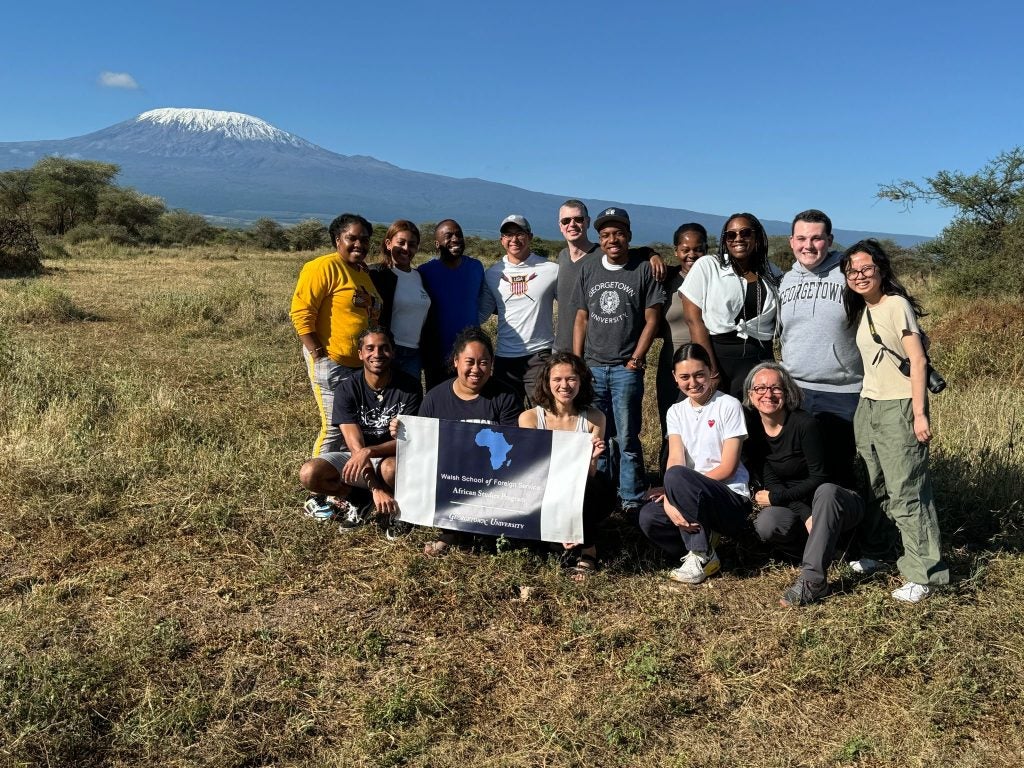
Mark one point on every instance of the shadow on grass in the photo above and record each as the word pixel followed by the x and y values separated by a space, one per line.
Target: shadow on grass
pixel 979 499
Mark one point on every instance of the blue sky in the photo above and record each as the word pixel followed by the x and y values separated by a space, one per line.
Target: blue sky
pixel 760 106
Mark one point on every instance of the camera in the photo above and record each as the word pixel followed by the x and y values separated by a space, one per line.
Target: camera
pixel 935 381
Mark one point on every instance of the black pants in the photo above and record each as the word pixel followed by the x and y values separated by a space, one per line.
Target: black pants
pixel 711 503
pixel 736 358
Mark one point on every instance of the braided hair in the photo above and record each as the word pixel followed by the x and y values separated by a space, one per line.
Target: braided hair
pixel 758 262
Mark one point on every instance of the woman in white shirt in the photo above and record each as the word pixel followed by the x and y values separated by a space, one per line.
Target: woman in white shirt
pixel 730 302
pixel 705 489
pixel 405 301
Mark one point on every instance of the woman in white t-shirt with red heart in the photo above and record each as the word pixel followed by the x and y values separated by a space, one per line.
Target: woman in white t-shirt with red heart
pixel 705 491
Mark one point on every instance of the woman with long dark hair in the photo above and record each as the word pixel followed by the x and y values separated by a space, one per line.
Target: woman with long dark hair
pixel 731 302
pixel 891 425
pixel 690 242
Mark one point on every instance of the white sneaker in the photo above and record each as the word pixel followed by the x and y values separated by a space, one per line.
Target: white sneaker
pixel 696 567
pixel 911 593
pixel 866 566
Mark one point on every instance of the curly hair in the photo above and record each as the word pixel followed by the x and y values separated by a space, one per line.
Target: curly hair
pixel 469 335
pixel 545 398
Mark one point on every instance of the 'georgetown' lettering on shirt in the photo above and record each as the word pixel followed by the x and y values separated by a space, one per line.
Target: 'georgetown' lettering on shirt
pixel 813 290
pixel 612 286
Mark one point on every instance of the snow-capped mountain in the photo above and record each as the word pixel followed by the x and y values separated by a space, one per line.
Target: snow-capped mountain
pixel 230 125
pixel 237 168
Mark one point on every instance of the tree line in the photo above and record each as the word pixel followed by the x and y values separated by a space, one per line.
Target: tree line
pixel 77 200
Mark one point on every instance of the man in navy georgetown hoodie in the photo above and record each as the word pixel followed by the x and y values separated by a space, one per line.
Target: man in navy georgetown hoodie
pixel 818 347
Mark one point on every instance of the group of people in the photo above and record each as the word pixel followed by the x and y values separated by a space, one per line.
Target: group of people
pixel 741 432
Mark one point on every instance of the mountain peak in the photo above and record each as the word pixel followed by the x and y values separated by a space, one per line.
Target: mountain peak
pixel 232 125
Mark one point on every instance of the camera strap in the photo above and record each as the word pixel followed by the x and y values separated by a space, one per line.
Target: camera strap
pixel 878 340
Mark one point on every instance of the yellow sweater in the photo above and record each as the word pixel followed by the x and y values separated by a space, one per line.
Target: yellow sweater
pixel 336 302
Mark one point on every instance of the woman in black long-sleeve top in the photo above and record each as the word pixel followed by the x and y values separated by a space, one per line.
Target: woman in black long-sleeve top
pixel 799 510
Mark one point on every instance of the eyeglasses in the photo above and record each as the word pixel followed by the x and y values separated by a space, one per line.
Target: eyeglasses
pixel 572 220
pixel 515 235
pixel 761 389
pixel 868 271
pixel 732 234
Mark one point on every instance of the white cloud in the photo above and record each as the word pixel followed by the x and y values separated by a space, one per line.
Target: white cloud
pixel 118 80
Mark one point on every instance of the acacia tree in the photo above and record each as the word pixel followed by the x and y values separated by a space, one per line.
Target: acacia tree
pixel 65 192
pixel 268 234
pixel 124 207
pixel 308 235
pixel 979 250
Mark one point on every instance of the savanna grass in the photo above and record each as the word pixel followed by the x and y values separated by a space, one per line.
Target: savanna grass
pixel 163 601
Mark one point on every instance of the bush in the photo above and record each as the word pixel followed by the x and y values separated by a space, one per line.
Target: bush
pixel 19 249
pixel 111 233
pixel 308 235
pixel 269 235
pixel 979 340
pixel 180 227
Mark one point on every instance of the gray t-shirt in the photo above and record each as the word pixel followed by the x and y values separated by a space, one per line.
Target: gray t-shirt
pixel 615 299
pixel 568 276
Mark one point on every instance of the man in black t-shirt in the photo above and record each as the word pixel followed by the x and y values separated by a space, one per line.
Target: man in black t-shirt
pixel 364 406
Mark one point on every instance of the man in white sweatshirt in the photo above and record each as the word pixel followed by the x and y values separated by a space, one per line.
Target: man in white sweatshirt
pixel 520 289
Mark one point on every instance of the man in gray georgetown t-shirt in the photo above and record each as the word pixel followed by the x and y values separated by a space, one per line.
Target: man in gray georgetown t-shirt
pixel 618 311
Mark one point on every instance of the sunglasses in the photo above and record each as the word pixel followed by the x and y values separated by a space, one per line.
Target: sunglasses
pixel 733 234
pixel 572 220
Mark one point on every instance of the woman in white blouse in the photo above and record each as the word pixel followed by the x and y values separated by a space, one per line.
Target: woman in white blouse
pixel 405 301
pixel 730 302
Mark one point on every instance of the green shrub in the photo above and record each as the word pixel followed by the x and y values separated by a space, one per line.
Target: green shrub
pixel 19 249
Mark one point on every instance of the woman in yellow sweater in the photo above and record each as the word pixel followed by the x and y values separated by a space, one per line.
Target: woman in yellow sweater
pixel 334 301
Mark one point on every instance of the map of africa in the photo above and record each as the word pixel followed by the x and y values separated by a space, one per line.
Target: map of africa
pixel 498 446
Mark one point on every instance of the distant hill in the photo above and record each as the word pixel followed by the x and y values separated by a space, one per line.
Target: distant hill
pixel 236 168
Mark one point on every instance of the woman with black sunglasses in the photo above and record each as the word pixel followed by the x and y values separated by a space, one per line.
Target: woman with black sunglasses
pixel 730 302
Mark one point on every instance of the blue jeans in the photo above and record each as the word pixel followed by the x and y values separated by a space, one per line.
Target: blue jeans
pixel 619 393
pixel 407 360
pixel 842 404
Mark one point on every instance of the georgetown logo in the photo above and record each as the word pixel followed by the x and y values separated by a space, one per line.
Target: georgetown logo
pixel 609 302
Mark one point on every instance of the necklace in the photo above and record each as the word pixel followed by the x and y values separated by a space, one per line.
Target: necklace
pixel 698 407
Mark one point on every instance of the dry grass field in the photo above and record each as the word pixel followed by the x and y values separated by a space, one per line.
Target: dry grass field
pixel 163 601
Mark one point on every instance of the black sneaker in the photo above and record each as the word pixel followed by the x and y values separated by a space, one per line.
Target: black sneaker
pixel 803 593
pixel 396 529
pixel 350 516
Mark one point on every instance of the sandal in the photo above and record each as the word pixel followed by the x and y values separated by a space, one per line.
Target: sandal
pixel 585 568
pixel 436 548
